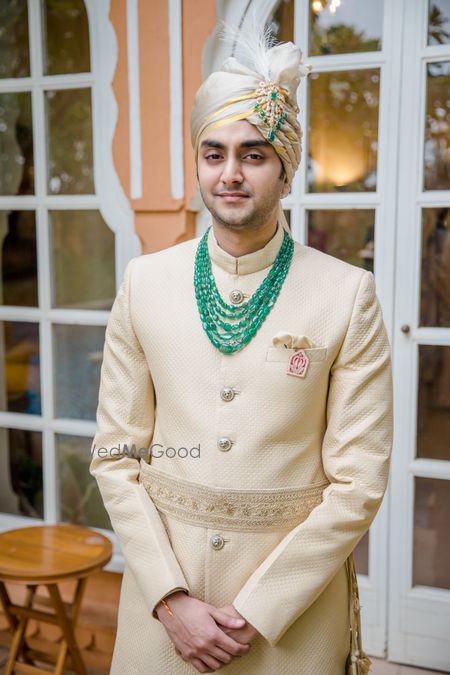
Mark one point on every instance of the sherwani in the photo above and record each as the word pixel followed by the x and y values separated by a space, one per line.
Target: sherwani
pixel 328 433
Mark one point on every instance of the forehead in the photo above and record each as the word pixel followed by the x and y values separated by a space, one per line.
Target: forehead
pixel 234 133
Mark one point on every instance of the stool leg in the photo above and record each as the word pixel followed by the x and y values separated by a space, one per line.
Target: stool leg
pixel 67 626
pixel 6 604
pixel 19 634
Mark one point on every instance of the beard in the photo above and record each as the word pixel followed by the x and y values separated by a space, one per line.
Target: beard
pixel 248 215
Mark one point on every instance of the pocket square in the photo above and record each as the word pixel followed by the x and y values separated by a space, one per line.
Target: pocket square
pixel 291 341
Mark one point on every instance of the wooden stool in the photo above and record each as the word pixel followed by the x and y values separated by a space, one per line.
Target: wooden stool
pixel 44 556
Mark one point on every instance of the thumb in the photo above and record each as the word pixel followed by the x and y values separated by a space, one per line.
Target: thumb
pixel 226 619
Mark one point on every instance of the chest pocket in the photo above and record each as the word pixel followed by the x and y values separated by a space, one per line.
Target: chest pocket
pixel 283 354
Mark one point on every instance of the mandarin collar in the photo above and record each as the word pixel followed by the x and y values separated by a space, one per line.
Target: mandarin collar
pixel 250 262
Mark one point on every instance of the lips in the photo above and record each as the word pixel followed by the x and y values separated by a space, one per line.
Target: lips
pixel 232 196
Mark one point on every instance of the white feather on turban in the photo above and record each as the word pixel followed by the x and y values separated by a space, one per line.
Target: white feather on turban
pixel 267 83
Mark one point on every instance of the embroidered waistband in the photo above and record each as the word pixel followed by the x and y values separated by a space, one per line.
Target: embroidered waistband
pixel 250 510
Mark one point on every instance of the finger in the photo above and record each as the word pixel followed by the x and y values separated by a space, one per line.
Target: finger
pixel 221 655
pixel 226 619
pixel 200 666
pixel 211 662
pixel 231 646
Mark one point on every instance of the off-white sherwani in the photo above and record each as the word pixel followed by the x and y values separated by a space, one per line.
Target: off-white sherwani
pixel 329 432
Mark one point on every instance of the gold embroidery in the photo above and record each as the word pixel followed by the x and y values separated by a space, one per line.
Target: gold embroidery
pixel 250 510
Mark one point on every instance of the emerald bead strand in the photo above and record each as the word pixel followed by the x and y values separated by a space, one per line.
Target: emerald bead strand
pixel 215 313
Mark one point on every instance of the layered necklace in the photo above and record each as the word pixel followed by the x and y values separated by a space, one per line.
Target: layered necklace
pixel 247 318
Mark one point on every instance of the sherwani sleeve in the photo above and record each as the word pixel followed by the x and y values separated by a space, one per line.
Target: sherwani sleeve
pixel 125 416
pixel 356 451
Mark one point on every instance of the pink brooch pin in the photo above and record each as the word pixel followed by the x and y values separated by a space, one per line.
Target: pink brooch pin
pixel 298 364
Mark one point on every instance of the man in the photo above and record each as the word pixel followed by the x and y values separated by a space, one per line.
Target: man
pixel 244 420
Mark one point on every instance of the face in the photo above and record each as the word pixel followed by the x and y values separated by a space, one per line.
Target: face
pixel 240 176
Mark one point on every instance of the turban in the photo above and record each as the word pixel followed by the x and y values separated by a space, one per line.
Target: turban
pixel 263 90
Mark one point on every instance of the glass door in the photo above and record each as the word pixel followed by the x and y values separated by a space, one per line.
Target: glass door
pixel 420 482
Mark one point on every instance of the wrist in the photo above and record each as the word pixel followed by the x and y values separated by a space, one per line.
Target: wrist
pixel 164 608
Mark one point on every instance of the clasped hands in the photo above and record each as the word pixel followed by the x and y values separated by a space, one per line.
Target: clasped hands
pixel 207 636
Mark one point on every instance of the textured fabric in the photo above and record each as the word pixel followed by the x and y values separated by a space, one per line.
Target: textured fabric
pixel 160 384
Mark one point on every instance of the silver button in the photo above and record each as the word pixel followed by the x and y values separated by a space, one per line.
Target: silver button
pixel 224 443
pixel 217 542
pixel 227 394
pixel 236 297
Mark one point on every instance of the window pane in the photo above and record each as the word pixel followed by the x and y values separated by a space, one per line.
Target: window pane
pixel 343 131
pixel 16 144
pixel 66 37
pixel 80 501
pixel 435 273
pixel 78 353
pixel 347 234
pixel 433 406
pixel 69 119
pixel 18 259
pixel 14 49
pixel 342 28
pixel 437 127
pixel 21 473
pixel 431 557
pixel 82 249
pixel 438 22
pixel 19 348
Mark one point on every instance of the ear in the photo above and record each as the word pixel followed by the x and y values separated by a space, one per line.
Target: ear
pixel 286 188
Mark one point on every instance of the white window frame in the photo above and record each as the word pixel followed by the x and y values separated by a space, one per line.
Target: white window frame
pixel 109 199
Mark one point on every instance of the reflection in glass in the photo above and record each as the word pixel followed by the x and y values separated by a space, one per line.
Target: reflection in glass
pixel 14 48
pixel 69 119
pixel 433 405
pixel 80 502
pixel 431 556
pixel 435 272
pixel 20 367
pixel 282 22
pixel 21 491
pixel 16 144
pixel 66 37
pixel 343 136
pixel 361 555
pixel 438 22
pixel 18 259
pixel 83 250
pixel 78 353
pixel 347 234
pixel 344 27
pixel 437 127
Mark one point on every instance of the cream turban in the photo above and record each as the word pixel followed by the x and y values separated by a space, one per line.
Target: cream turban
pixel 264 92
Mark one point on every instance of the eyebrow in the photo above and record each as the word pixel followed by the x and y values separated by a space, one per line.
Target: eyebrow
pixel 255 143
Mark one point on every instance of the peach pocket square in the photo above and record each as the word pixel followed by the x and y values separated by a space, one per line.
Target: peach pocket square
pixel 291 341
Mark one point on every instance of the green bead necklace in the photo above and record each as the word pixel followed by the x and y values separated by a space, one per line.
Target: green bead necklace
pixel 215 314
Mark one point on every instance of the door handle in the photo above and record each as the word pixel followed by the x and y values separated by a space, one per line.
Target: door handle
pixel 405 328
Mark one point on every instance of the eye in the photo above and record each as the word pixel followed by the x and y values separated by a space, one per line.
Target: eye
pixel 213 155
pixel 255 155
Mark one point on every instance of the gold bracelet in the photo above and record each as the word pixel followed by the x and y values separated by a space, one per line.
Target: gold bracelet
pixel 167 607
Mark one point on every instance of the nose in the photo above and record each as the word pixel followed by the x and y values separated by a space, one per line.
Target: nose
pixel 232 172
